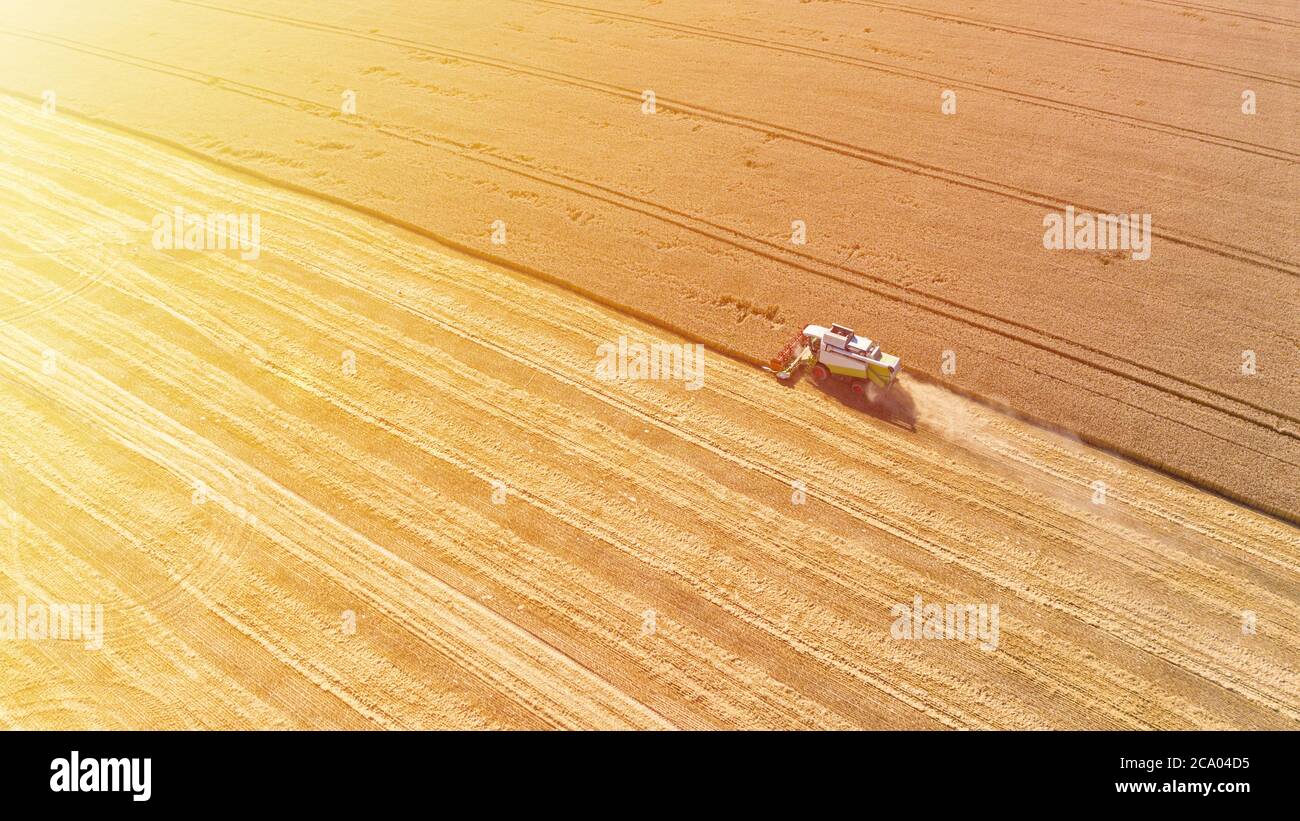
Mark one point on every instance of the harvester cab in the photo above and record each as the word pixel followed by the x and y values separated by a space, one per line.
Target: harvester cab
pixel 837 353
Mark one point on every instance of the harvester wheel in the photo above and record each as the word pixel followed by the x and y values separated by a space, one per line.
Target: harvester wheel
pixel 819 373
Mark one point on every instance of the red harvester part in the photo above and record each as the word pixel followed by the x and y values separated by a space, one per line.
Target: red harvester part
pixel 783 357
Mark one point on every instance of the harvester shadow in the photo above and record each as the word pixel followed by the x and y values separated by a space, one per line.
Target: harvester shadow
pixel 895 406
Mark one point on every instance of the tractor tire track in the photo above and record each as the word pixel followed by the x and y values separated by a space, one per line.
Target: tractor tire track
pixel 1076 41
pixel 790 48
pixel 1245 15
pixel 1216 247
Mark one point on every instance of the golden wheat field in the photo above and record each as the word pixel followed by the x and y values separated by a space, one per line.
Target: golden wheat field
pixel 372 456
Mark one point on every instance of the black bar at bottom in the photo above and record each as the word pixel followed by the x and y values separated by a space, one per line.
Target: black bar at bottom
pixel 334 770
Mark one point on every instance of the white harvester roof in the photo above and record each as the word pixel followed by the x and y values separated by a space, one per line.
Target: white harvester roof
pixel 842 340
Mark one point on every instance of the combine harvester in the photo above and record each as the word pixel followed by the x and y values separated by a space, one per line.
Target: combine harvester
pixel 839 354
